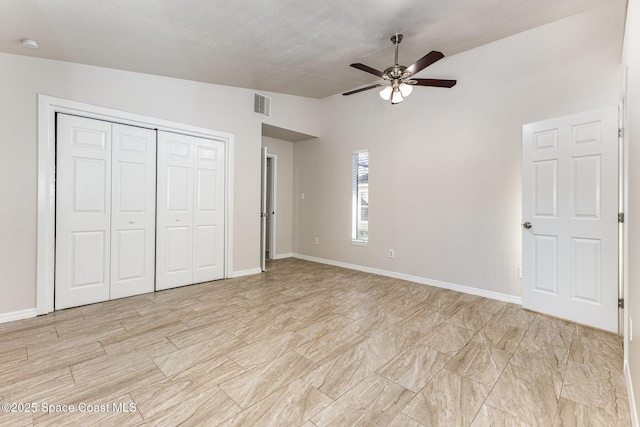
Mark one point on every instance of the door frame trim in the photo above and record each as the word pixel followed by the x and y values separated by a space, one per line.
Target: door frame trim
pixel 48 106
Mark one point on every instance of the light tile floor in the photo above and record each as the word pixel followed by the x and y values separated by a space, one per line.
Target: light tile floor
pixel 309 345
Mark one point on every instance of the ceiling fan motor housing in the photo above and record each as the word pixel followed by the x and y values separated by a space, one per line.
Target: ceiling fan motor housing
pixel 395 71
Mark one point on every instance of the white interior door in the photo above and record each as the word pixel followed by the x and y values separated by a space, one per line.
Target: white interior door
pixel 209 210
pixel 174 251
pixel 191 206
pixel 570 215
pixel 83 211
pixel 133 213
pixel 263 209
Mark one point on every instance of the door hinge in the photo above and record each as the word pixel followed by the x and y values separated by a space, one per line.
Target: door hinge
pixel 620 132
pixel 620 217
pixel 620 302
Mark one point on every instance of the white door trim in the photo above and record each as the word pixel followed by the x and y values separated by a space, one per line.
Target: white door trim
pixel 48 106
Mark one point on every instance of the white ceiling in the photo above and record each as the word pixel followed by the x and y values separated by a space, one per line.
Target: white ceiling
pixel 289 46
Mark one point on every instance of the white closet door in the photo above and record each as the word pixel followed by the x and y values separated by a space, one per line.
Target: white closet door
pixel 133 202
pixel 174 245
pixel 208 210
pixel 190 221
pixel 83 211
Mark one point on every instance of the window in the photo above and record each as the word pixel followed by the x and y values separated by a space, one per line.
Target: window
pixel 360 198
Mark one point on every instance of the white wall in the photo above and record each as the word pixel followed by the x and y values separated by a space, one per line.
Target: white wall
pixel 631 59
pixel 216 107
pixel 284 193
pixel 445 165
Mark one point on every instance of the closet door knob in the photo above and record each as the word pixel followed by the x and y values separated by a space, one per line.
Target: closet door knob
pixel 178 219
pixel 132 221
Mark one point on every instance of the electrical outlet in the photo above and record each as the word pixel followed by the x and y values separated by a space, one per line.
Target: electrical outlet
pixel 392 253
pixel 302 196
pixel 315 240
pixel 519 272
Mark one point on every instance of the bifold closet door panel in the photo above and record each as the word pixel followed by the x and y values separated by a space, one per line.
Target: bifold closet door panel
pixel 83 211
pixel 191 206
pixel 174 243
pixel 209 210
pixel 133 212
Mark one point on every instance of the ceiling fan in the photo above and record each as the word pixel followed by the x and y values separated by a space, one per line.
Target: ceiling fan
pixel 398 82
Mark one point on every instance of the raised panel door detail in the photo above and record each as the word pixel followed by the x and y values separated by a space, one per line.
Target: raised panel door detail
pixel 585 269
pixel 207 154
pixel 178 253
pixel 545 140
pixel 133 144
pixel 87 252
pixel 205 246
pixel 130 254
pixel 89 138
pixel 585 186
pixel 587 133
pixel 90 185
pixel 545 182
pixel 546 273
pixel 178 188
pixel 206 190
pixel 179 149
pixel 133 194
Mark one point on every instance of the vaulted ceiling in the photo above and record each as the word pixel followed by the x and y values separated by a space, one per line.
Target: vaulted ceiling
pixel 296 47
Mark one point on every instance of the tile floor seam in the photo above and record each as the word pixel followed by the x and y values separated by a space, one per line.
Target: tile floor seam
pixel 564 373
pixel 484 402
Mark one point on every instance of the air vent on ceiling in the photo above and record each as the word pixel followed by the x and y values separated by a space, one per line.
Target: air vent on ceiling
pixel 262 104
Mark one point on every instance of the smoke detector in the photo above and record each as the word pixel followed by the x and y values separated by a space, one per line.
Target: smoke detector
pixel 30 44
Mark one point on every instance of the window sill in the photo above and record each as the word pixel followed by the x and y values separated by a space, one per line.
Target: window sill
pixel 359 243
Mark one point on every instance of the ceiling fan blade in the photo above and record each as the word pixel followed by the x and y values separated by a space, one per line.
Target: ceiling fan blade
pixel 362 89
pixel 368 69
pixel 435 82
pixel 423 62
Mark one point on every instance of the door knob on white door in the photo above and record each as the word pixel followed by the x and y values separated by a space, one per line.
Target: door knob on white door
pixel 527 225
pixel 178 219
pixel 132 221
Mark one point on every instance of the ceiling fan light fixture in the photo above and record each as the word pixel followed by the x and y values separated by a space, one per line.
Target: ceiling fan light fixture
pixel 405 89
pixel 398 82
pixel 385 93
pixel 396 96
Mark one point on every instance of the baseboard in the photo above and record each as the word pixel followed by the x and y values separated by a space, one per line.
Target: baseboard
pixel 18 315
pixel 282 256
pixel 248 272
pixel 422 280
pixel 632 401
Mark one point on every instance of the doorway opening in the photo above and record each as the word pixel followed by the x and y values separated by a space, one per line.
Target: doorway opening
pixel 270 247
pixel 268 210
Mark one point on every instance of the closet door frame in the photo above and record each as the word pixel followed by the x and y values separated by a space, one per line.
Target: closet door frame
pixel 48 107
